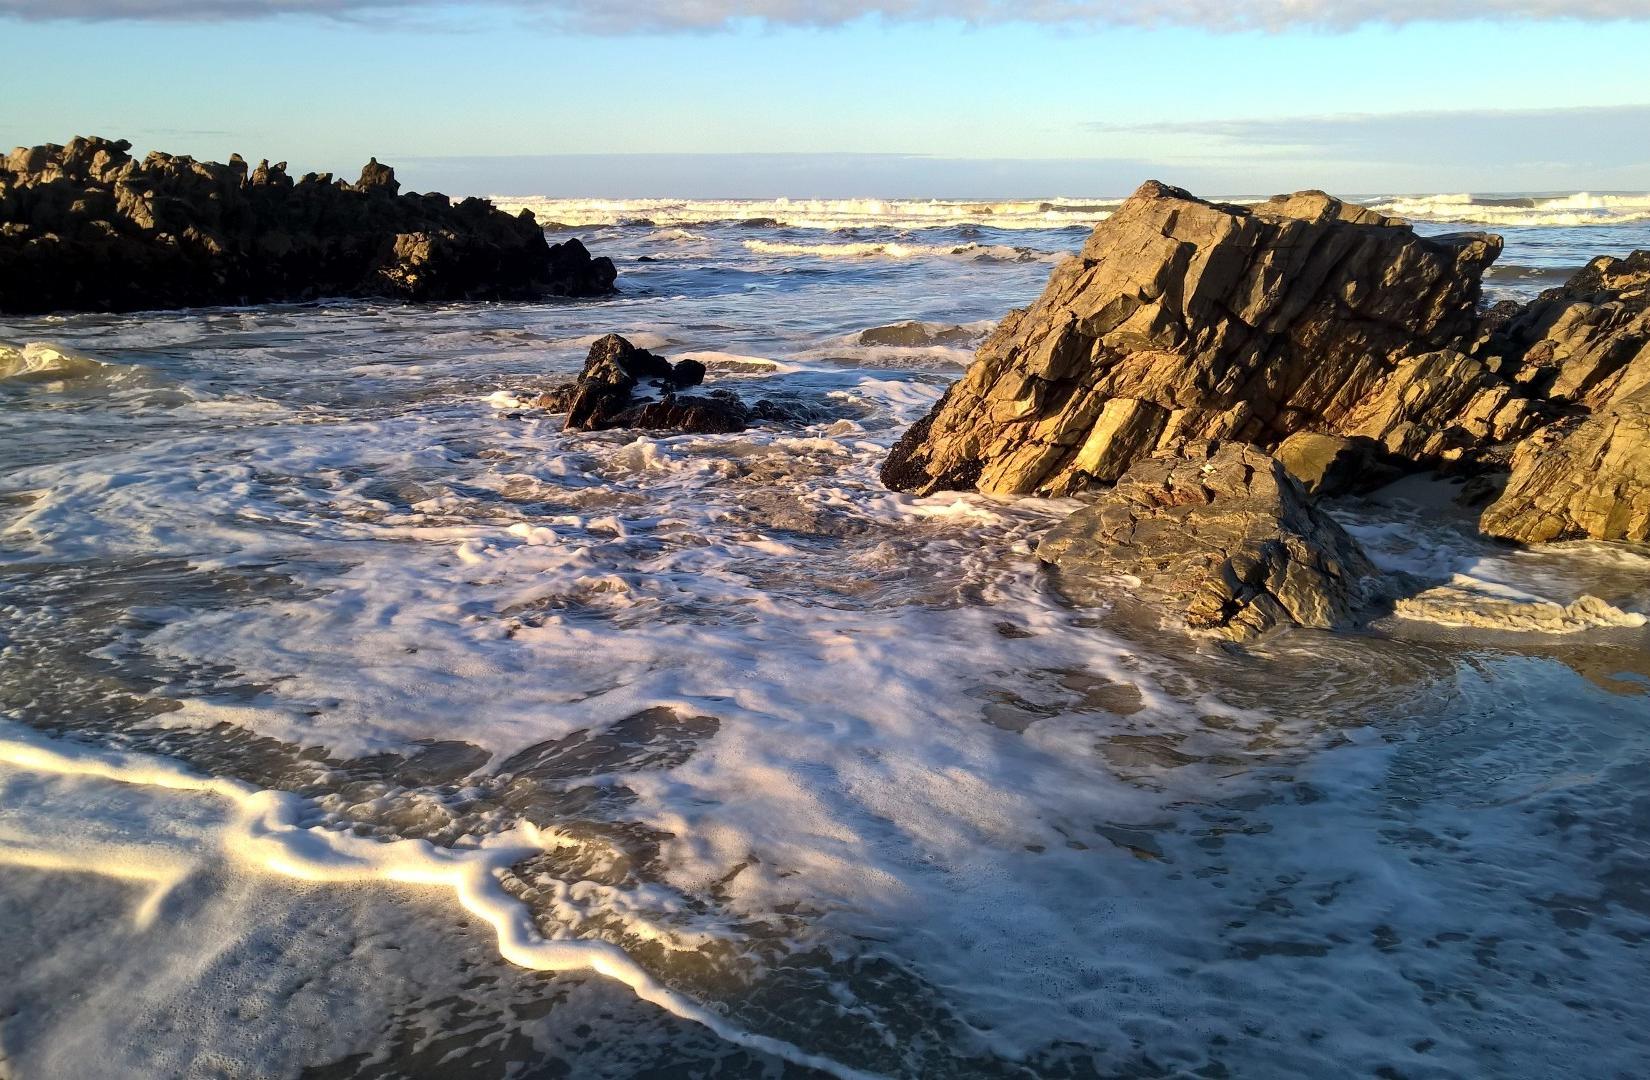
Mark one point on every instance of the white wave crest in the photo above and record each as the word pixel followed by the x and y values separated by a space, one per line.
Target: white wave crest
pixel 901 250
pixel 1581 208
pixel 1562 210
pixel 815 213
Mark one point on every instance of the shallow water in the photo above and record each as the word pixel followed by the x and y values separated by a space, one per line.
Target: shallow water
pixel 792 757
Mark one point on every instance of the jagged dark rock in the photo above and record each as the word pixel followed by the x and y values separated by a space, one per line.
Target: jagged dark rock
pixel 85 227
pixel 1183 321
pixel 1226 542
pixel 622 386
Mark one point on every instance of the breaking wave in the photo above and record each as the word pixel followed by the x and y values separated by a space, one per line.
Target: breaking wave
pixel 40 362
pixel 814 213
pixel 1581 208
pixel 894 249
pixel 1573 209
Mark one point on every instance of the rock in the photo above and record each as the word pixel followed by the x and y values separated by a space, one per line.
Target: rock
pixel 1586 342
pixel 1586 346
pixel 717 413
pixel 611 372
pixel 1442 406
pixel 1329 465
pixel 85 227
pixel 916 335
pixel 376 177
pixel 1228 542
pixel 689 372
pixel 1183 321
pixel 1588 476
pixel 1457 605
pixel 622 386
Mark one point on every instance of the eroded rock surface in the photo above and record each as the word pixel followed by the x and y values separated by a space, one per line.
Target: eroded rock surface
pixel 1584 477
pixel 1586 345
pixel 1228 543
pixel 1183 321
pixel 1586 342
pixel 86 227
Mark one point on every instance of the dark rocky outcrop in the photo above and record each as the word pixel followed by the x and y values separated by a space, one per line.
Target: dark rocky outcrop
pixel 622 386
pixel 1183 321
pixel 1226 542
pixel 1586 346
pixel 86 227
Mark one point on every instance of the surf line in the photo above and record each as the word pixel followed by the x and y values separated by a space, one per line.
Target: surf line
pixel 266 834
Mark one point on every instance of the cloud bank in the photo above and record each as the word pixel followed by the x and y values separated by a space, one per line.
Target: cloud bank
pixel 621 16
pixel 1569 140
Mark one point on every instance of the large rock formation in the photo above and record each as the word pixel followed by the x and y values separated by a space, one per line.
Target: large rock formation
pixel 1228 543
pixel 85 227
pixel 1183 320
pixel 1585 345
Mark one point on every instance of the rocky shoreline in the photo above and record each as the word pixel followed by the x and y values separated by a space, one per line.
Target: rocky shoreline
pixel 1211 369
pixel 86 227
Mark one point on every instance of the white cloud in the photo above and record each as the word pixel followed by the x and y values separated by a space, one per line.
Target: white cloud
pixel 1582 138
pixel 620 16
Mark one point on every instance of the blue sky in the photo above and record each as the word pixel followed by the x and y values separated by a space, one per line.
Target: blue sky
pixel 540 96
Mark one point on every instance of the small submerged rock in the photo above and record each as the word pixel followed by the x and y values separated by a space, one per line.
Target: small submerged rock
pixel 1463 606
pixel 917 335
pixel 1228 543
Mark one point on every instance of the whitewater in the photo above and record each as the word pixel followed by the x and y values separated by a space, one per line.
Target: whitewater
pixel 355 721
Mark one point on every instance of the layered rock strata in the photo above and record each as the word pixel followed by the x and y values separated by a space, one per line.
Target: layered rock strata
pixel 1184 321
pixel 1586 347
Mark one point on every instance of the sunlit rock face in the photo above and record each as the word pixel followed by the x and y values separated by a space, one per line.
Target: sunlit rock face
pixel 1183 320
pixel 86 227
pixel 1585 477
pixel 1226 542
pixel 1586 346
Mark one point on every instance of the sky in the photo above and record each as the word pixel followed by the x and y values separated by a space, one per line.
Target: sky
pixel 834 98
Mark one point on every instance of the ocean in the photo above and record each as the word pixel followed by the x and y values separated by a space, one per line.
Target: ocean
pixel 355 721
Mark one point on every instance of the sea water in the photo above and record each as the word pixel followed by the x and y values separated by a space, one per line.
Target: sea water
pixel 355 721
